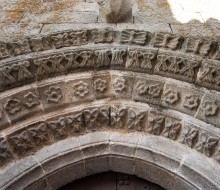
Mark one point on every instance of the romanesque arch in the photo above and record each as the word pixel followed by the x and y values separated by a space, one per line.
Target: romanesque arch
pixel 79 102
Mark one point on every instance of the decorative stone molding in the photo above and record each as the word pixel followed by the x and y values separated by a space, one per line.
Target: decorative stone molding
pixel 60 92
pixel 186 44
pixel 21 142
pixel 61 88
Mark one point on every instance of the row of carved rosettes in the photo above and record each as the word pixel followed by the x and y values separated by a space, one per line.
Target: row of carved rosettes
pixel 198 46
pixel 86 87
pixel 147 60
pixel 31 138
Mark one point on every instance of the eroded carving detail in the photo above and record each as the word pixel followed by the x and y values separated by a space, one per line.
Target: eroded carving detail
pixel 133 37
pixel 135 120
pixel 19 47
pixel 100 85
pixel 171 97
pixel 169 41
pixel 189 136
pixel 210 108
pixel 119 85
pixel 102 36
pixel 118 57
pixel 97 117
pixel 191 102
pixel 30 100
pixel 5 153
pixel 4 53
pixel 58 128
pixel 81 89
pixel 206 144
pixel 172 129
pixel 21 143
pixel 103 58
pixel 156 123
pixel 75 123
pixel 177 66
pixel 40 135
pixel 13 106
pixel 209 75
pixel 117 116
pixel 54 95
pixel 199 46
pixel 152 90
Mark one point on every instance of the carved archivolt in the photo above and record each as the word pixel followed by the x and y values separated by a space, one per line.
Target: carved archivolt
pixel 184 58
pixel 160 86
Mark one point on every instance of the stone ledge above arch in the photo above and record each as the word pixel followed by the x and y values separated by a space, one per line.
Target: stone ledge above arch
pixel 149 157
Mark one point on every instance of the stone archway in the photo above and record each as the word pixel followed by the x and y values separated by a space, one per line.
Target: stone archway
pixel 97 99
pixel 146 156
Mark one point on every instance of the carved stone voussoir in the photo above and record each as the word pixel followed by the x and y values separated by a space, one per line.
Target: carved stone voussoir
pixel 22 104
pixel 147 90
pixel 177 66
pixel 160 124
pixel 209 110
pixel 142 60
pixel 209 74
pixel 182 98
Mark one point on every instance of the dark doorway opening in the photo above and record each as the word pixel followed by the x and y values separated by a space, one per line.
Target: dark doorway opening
pixel 111 181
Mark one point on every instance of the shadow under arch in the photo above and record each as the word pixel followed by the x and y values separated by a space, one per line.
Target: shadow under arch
pixel 156 159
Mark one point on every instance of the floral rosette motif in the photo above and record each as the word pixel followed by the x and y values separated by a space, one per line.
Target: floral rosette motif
pixel 81 89
pixel 210 108
pixel 30 100
pixel 100 85
pixel 119 85
pixel 54 95
pixel 13 106
pixel 171 97
pixel 154 90
pixel 191 102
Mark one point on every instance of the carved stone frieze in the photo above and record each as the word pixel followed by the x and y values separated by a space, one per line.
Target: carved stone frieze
pixel 189 136
pixel 107 117
pixel 177 66
pixel 144 88
pixel 96 118
pixel 209 110
pixel 136 120
pixel 148 90
pixel 197 46
pixel 21 104
pixel 169 41
pixel 135 37
pixel 117 116
pixel 148 60
pixel 141 60
pixel 159 124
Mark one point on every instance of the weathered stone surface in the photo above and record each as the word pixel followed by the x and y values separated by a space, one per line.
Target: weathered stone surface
pixel 80 96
